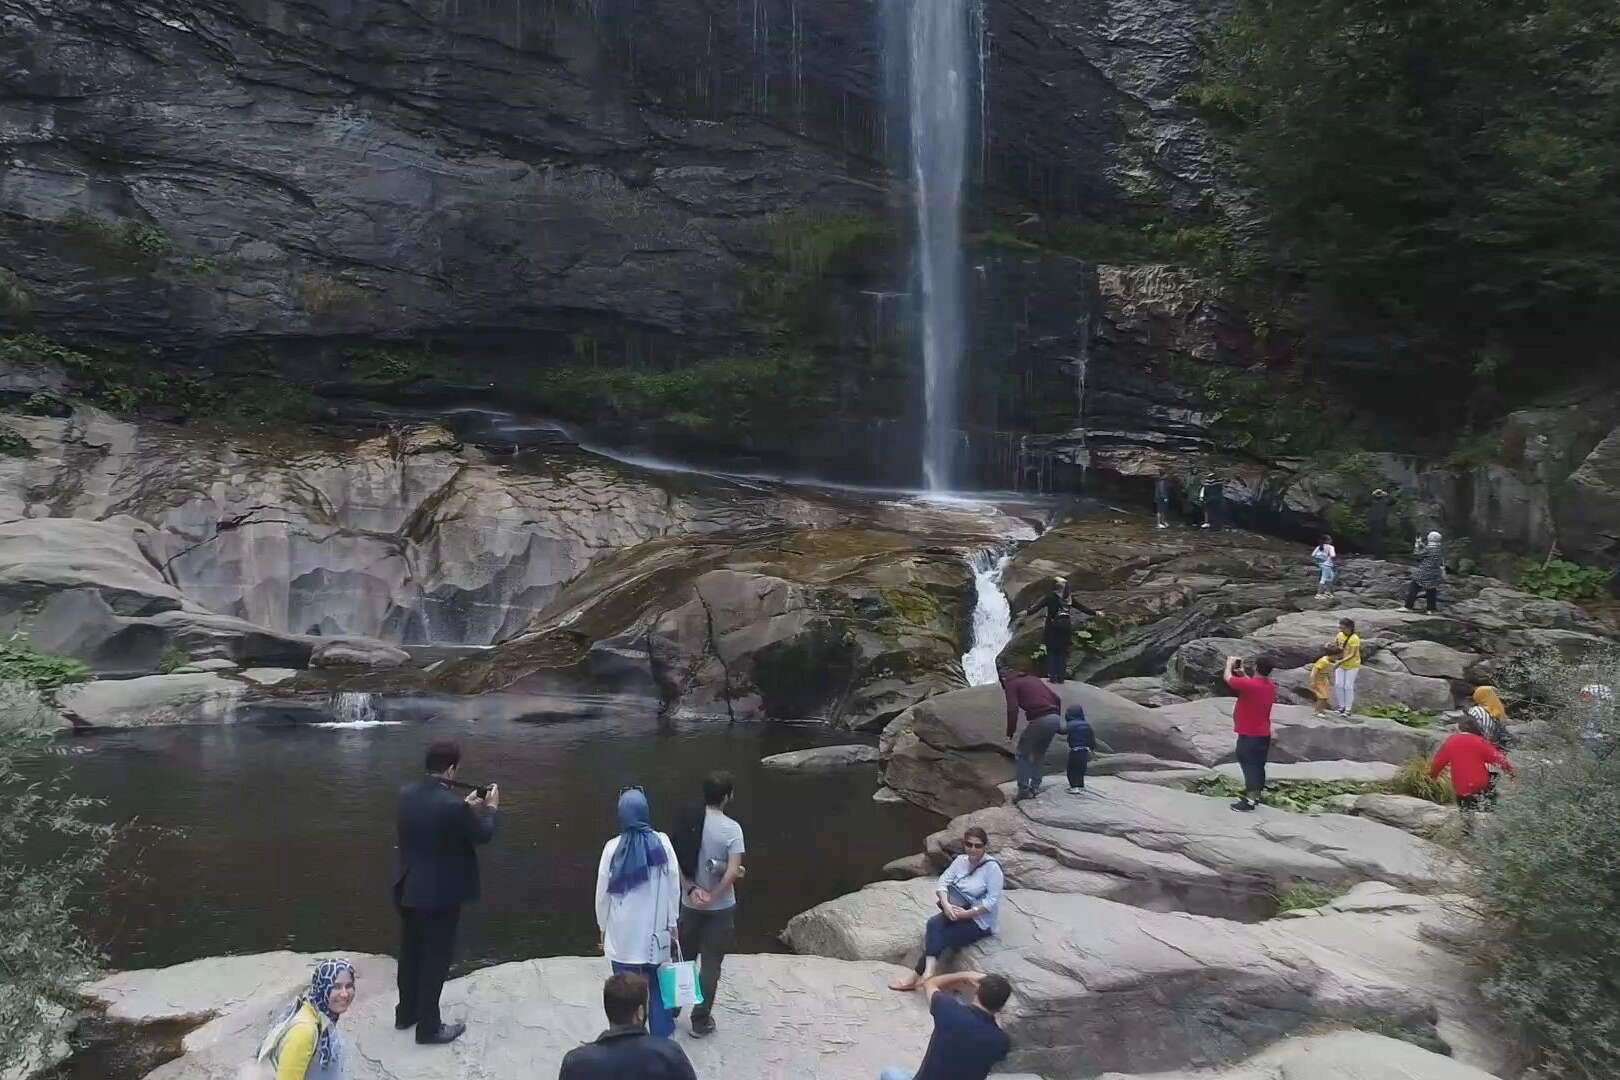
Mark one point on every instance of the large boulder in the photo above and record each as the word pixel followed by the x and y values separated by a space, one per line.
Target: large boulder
pixel 1337 1055
pixel 951 752
pixel 1433 660
pixel 1297 734
pixel 152 700
pixel 357 652
pixel 1418 816
pixel 525 1016
pixel 1587 505
pixel 43 556
pixel 1374 686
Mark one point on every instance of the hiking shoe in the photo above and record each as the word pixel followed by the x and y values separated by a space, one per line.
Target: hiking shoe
pixel 1076 790
pixel 702 1027
pixel 1244 806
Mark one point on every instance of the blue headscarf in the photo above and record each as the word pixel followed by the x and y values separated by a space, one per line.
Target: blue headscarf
pixel 639 850
pixel 319 996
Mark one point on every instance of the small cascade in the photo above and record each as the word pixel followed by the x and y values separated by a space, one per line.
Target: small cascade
pixel 1082 372
pixel 352 709
pixel 992 616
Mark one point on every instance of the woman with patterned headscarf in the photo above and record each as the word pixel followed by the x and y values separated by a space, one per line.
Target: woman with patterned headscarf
pixel 304 1043
pixel 638 895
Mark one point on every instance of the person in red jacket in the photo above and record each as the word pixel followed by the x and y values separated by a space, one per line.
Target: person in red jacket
pixel 1251 722
pixel 1467 753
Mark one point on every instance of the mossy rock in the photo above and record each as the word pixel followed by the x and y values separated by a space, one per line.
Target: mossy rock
pixel 801 676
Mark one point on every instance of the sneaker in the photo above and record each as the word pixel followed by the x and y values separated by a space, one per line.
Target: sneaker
pixel 1076 790
pixel 1244 805
pixel 702 1027
pixel 1162 525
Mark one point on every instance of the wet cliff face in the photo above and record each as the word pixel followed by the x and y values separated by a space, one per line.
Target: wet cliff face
pixel 192 173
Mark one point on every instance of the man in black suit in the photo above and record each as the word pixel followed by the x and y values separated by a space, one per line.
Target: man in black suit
pixel 435 872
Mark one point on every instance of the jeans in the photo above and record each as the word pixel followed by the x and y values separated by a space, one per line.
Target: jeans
pixel 1432 595
pixel 941 934
pixel 1327 577
pixel 892 1073
pixel 1251 757
pixel 1079 758
pixel 1344 687
pixel 427 938
pixel 660 1020
pixel 706 936
pixel 1032 747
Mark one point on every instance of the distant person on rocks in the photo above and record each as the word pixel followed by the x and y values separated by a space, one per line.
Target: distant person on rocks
pixel 969 900
pixel 1322 677
pixel 1059 606
pixel 1251 722
pixel 1348 666
pixel 626 1050
pixel 1213 496
pixel 1468 753
pixel 638 891
pixel 1598 701
pixel 303 1044
pixel 1326 558
pixel 1042 719
pixel 436 871
pixel 1162 497
pixel 1430 572
pixel 1082 741
pixel 967 1041
pixel 708 926
pixel 1378 522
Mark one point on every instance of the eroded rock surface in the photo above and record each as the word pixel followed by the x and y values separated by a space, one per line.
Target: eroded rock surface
pixel 1340 1055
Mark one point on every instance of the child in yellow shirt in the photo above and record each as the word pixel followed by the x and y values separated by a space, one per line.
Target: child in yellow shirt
pixel 1322 678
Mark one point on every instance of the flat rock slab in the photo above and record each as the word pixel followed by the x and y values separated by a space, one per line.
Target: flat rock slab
pixel 152 699
pixel 1339 1055
pixel 823 757
pixel 781 1016
pixel 1366 772
pixel 1297 734
pixel 1401 811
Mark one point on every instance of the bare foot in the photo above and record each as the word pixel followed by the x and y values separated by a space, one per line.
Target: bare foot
pixel 904 984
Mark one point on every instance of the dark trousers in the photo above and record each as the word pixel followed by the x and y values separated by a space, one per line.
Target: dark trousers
pixel 1057 659
pixel 706 936
pixel 1431 595
pixel 1079 758
pixel 942 934
pixel 427 938
pixel 1032 746
pixel 1251 758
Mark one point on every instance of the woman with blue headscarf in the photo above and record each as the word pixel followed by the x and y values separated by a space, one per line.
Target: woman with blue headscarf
pixel 304 1044
pixel 638 892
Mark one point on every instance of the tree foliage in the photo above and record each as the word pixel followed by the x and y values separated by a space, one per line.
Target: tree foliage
pixel 48 849
pixel 1439 177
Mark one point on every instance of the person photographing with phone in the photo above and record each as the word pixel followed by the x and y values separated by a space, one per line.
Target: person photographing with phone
pixel 441 821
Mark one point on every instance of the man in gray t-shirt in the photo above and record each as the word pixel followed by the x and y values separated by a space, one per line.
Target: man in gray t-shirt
pixel 708 924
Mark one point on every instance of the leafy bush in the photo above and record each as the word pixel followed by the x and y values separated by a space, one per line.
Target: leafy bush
pixel 1401 714
pixel 1301 895
pixel 173 658
pixel 1548 875
pixel 48 850
pixel 1560 579
pixel 42 671
pixel 1414 780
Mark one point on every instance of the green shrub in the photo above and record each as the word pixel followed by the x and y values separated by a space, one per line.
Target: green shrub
pixel 1560 579
pixel 1401 714
pixel 1547 877
pixel 1414 780
pixel 1299 796
pixel 12 444
pixel 131 245
pixel 1301 895
pixel 173 657
pixel 42 671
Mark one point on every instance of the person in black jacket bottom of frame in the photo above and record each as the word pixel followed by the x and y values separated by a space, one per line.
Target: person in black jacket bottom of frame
pixel 626 1049
pixel 435 872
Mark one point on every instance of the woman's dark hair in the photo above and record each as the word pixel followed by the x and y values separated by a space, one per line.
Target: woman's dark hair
pixel 622 995
pixel 1326 538
pixel 976 833
pixel 993 992
pixel 1469 725
pixel 1262 666
pixel 441 755
pixel 1349 624
pixel 717 788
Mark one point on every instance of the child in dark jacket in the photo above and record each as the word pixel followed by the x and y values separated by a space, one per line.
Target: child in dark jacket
pixel 1082 741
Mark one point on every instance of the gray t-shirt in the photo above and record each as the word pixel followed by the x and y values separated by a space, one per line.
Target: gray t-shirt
pixel 722 838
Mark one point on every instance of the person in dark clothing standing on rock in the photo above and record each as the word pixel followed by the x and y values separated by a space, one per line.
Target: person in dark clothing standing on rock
pixel 1213 495
pixel 1059 606
pixel 1082 741
pixel 435 872
pixel 1378 522
pixel 1251 721
pixel 626 1050
pixel 1430 572
pixel 1162 497
pixel 1042 720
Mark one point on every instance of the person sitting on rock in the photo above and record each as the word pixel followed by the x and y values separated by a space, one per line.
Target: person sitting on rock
pixel 967 1041
pixel 1042 710
pixel 304 1044
pixel 969 899
pixel 626 1049
pixel 1468 753
pixel 1322 677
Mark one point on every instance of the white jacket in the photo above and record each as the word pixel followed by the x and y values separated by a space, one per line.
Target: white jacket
pixel 630 922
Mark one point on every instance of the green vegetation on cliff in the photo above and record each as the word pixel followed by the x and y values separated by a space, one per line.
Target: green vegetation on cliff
pixel 1438 180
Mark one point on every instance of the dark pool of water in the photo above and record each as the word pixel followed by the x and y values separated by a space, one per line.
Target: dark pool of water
pixel 252 838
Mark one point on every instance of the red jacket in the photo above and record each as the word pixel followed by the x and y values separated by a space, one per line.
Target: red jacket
pixel 1468 754
pixel 1031 694
pixel 1255 697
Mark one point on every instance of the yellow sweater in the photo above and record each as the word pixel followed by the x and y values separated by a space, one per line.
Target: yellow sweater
pixel 298 1044
pixel 1322 677
pixel 1350 657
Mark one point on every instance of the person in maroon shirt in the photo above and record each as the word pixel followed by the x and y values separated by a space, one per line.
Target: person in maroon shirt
pixel 1251 720
pixel 1467 753
pixel 1043 719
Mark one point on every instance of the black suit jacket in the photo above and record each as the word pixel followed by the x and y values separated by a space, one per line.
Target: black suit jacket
pixel 436 862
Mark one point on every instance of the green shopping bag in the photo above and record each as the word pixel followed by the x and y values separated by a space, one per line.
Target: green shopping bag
pixel 678 982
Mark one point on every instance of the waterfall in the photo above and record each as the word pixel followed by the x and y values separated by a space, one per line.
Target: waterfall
pixel 941 45
pixel 992 616
pixel 351 709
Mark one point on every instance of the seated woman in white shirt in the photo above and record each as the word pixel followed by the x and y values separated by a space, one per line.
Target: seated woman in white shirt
pixel 969 899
